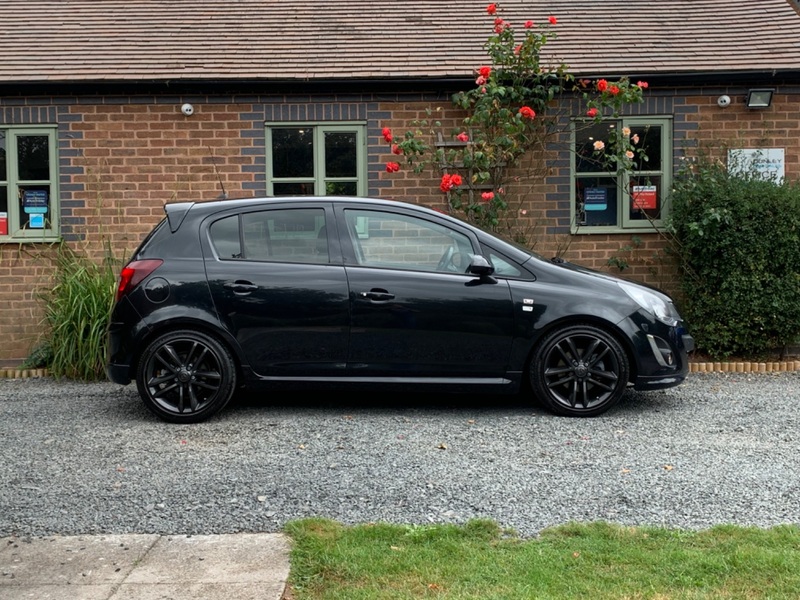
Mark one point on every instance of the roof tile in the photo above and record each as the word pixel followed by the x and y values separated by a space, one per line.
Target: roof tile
pixel 72 40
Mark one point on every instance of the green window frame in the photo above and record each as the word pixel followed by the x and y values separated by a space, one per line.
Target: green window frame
pixel 604 201
pixel 316 159
pixel 29 196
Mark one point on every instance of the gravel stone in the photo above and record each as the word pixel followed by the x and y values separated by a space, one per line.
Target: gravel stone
pixel 81 459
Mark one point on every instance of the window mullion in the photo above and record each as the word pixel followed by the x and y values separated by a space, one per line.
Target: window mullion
pixel 319 160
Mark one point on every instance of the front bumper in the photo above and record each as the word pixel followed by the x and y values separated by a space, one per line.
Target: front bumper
pixel 662 359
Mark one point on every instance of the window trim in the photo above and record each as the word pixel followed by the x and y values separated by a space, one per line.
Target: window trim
pixel 319 178
pixel 625 223
pixel 12 182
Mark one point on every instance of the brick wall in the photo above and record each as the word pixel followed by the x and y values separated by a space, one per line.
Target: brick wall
pixel 122 158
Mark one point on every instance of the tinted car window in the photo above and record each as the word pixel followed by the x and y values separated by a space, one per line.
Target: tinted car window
pixel 225 237
pixel 297 235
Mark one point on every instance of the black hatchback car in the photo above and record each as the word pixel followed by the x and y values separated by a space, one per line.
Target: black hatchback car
pixel 324 291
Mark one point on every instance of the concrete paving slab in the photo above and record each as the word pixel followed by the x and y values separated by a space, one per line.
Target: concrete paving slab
pixel 145 567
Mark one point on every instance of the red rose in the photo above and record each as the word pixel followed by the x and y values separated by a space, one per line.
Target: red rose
pixel 447 183
pixel 552 20
pixel 642 84
pixel 613 90
pixel 592 112
pixel 527 112
pixel 487 196
pixel 396 149
pixel 392 167
pixel 462 137
pixel 456 179
pixel 387 135
pixel 528 24
pixel 602 85
pixel 492 9
pixel 499 25
pixel 485 72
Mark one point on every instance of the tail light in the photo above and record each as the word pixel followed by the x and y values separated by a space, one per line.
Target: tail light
pixel 133 273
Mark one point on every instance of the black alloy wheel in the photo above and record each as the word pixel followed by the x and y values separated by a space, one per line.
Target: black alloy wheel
pixel 579 371
pixel 186 376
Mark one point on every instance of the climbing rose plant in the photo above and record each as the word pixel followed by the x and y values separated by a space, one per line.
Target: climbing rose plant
pixel 507 117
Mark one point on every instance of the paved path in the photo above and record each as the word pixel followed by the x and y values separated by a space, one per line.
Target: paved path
pixel 145 567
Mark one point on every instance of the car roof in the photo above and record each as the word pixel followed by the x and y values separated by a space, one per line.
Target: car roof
pixel 177 211
pixel 213 205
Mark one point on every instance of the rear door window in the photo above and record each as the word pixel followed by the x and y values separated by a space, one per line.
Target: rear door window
pixel 278 235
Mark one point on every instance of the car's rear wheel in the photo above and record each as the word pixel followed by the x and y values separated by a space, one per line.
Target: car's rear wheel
pixel 579 371
pixel 186 376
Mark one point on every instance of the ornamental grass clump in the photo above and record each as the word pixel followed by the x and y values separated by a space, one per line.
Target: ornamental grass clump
pixel 77 308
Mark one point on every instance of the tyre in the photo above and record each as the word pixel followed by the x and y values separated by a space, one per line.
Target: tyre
pixel 186 376
pixel 579 371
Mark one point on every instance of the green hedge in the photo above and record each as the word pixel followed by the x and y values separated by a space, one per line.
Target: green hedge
pixel 738 238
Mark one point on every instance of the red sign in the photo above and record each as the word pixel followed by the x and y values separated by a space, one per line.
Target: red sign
pixel 645 197
pixel 3 223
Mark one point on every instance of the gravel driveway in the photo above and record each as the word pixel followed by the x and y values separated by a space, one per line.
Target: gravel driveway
pixel 88 459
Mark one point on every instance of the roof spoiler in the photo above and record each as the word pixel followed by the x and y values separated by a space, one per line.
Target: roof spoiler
pixel 176 212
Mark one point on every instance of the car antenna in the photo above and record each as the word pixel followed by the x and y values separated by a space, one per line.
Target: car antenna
pixel 224 194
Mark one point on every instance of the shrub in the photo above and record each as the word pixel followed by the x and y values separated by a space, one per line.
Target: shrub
pixel 77 308
pixel 738 239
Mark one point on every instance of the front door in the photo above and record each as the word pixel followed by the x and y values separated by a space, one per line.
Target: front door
pixel 414 310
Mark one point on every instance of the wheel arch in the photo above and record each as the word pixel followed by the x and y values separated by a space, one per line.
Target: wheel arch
pixel 202 325
pixel 576 320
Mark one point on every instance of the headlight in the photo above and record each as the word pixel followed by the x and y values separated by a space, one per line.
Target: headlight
pixel 654 303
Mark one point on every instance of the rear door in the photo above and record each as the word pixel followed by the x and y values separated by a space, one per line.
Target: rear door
pixel 279 287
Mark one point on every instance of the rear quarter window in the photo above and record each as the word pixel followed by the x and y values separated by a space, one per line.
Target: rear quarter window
pixel 225 237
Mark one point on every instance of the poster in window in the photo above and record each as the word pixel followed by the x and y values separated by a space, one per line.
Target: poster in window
pixel 645 197
pixel 595 199
pixel 36 220
pixel 34 201
pixel 3 223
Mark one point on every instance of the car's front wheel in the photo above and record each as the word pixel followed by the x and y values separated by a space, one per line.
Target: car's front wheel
pixel 186 376
pixel 579 371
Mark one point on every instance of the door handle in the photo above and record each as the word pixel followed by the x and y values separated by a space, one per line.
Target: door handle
pixel 240 287
pixel 377 295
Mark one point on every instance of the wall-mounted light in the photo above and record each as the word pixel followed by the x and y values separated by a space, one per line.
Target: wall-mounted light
pixel 759 98
pixel 187 109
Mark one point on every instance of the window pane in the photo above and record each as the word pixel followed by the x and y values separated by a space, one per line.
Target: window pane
pixel 587 159
pixel 399 241
pixel 225 237
pixel 293 189
pixel 341 188
pixel 596 201
pixel 293 152
pixel 33 157
pixel 3 171
pixel 340 154
pixel 649 140
pixel 35 206
pixel 646 197
pixel 296 235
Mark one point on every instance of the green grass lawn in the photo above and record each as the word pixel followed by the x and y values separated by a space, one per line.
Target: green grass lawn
pixel 593 561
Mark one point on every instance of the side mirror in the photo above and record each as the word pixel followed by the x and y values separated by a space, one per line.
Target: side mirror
pixel 478 265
